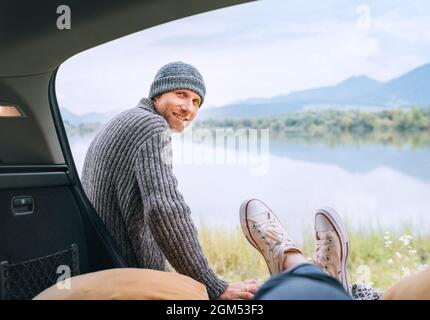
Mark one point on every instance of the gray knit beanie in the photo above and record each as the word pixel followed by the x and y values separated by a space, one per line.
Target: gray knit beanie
pixel 178 75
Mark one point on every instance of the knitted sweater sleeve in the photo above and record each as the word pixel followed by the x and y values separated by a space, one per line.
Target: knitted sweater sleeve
pixel 169 216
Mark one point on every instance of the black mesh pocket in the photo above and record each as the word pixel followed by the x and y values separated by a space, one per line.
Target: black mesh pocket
pixel 24 280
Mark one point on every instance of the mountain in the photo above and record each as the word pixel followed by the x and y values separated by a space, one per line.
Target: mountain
pixel 358 91
pixel 411 88
pixel 92 117
pixel 351 87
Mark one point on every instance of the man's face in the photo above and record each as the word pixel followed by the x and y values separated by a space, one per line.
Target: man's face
pixel 178 107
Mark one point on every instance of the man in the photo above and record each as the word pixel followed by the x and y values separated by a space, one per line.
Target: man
pixel 128 178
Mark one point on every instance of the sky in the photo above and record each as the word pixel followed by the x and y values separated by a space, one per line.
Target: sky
pixel 259 49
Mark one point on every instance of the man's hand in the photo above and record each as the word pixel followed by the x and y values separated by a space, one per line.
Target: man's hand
pixel 243 290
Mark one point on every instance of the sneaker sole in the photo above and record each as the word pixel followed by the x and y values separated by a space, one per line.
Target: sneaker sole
pixel 337 222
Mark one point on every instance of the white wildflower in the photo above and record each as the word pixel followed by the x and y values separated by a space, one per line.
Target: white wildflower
pixel 406 271
pixel 422 267
pixel 406 239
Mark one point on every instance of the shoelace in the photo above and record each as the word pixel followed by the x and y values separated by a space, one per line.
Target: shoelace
pixel 270 231
pixel 322 255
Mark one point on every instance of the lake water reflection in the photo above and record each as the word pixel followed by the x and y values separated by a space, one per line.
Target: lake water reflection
pixel 369 185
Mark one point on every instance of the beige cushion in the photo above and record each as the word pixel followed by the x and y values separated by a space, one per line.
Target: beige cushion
pixel 414 287
pixel 128 284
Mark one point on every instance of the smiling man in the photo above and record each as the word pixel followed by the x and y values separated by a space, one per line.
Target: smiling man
pixel 128 177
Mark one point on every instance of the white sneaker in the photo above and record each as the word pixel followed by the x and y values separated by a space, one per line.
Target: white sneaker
pixel 265 232
pixel 332 247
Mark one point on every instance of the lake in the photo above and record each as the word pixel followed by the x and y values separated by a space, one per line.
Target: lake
pixel 369 185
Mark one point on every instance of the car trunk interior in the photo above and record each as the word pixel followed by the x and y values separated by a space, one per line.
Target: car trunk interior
pixel 46 221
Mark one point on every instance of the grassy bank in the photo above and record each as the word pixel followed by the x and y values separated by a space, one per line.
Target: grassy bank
pixel 377 257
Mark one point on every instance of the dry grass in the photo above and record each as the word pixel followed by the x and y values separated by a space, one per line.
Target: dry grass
pixel 377 257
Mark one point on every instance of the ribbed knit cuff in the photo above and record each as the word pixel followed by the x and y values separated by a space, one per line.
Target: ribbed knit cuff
pixel 216 287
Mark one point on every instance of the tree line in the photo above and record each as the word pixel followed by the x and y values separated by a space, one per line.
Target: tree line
pixel 396 126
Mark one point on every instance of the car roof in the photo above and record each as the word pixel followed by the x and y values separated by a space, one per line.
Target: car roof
pixel 32 43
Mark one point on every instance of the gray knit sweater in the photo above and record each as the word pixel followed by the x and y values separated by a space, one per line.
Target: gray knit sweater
pixel 134 191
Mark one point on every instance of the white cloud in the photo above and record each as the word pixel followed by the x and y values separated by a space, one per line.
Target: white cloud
pixel 258 49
